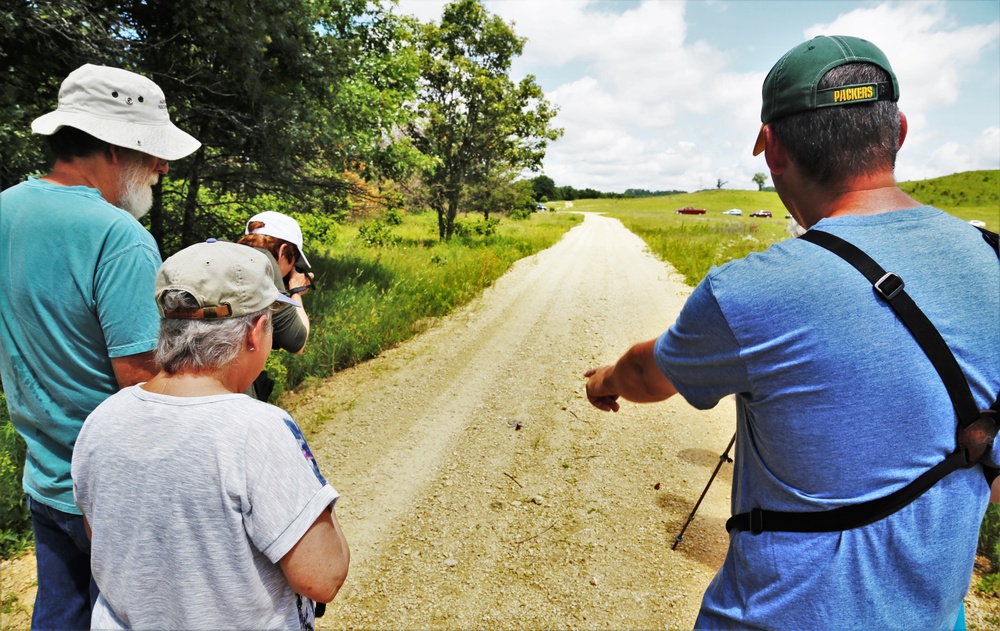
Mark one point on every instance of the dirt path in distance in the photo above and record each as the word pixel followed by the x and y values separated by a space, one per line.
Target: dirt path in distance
pixel 482 490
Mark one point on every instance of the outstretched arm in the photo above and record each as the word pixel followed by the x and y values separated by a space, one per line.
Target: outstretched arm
pixel 635 377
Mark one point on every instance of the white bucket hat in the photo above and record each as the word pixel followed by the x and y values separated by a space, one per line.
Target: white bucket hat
pixel 280 227
pixel 119 107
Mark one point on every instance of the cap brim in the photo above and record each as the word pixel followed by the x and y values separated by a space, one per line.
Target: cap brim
pixel 302 259
pixel 287 300
pixel 167 142
pixel 758 146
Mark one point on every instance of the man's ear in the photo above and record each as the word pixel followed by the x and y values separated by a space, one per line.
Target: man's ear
pixel 774 152
pixel 256 334
pixel 903 127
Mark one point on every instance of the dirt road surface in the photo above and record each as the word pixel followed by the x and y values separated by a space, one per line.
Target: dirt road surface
pixel 481 490
pixel 480 487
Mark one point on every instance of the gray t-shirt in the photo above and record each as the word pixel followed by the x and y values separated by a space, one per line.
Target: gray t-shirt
pixel 192 503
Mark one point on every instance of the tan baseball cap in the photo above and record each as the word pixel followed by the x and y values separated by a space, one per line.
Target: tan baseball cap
pixel 227 279
pixel 119 107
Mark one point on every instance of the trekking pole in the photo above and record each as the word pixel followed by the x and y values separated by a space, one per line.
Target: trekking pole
pixel 723 458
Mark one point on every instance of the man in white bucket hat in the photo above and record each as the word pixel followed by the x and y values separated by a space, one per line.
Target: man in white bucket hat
pixel 77 323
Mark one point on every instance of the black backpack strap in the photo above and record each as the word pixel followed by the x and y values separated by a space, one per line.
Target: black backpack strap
pixel 846 517
pixel 889 286
pixel 992 238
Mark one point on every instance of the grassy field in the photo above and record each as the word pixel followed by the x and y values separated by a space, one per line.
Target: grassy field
pixel 694 243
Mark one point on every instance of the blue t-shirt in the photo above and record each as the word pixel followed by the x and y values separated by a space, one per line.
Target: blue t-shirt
pixel 837 404
pixel 76 289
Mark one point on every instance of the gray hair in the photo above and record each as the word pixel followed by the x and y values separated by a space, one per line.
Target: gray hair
pixel 200 344
pixel 832 144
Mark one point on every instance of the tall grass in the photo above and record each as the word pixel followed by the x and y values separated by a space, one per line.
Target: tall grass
pixel 15 524
pixel 694 243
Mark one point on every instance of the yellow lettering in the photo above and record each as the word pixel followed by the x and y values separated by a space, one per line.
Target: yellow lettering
pixel 853 94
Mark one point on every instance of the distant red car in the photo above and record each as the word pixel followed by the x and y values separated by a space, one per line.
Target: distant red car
pixel 761 213
pixel 690 210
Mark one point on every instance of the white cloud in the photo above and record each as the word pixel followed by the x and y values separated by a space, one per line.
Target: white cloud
pixel 645 106
pixel 929 53
pixel 982 153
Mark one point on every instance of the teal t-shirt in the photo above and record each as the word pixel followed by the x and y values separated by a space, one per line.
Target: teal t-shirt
pixel 76 289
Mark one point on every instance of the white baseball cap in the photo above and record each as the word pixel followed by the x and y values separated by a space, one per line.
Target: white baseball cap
pixel 119 107
pixel 281 227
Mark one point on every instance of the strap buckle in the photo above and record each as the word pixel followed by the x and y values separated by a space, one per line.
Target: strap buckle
pixel 977 438
pixel 889 285
pixel 756 521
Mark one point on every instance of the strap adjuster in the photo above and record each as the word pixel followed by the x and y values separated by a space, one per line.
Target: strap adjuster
pixel 889 285
pixel 756 521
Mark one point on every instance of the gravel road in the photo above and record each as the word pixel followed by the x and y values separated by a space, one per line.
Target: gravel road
pixel 482 490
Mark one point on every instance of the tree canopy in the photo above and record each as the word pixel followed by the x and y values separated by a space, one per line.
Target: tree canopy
pixel 299 104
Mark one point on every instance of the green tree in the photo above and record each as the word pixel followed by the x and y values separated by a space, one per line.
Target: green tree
pixel 760 179
pixel 544 186
pixel 41 42
pixel 500 192
pixel 286 96
pixel 474 121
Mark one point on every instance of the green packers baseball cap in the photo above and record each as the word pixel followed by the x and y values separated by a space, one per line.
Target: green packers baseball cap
pixel 790 87
pixel 228 280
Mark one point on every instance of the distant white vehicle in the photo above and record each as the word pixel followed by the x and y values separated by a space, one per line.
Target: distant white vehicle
pixel 732 211
pixel 977 223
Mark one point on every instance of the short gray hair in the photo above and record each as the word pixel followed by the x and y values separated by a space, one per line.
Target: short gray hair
pixel 832 144
pixel 200 344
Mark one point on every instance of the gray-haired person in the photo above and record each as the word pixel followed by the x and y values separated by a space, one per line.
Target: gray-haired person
pixel 77 317
pixel 205 506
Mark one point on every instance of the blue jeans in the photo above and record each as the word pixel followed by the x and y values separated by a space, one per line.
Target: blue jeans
pixel 66 589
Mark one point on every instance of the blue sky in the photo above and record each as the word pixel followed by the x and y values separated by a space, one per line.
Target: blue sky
pixel 665 94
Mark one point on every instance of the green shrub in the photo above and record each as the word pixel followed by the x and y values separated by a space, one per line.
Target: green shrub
pixel 377 234
pixel 394 217
pixel 487 227
pixel 989 535
pixel 317 229
pixel 989 546
pixel 521 213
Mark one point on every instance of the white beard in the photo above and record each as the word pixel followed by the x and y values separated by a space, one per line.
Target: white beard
pixel 137 189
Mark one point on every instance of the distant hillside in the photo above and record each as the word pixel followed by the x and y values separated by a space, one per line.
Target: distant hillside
pixel 969 189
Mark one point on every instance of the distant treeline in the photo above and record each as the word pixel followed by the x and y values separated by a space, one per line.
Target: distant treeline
pixel 641 192
pixel 546 190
